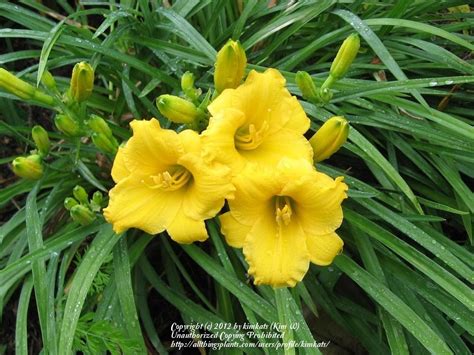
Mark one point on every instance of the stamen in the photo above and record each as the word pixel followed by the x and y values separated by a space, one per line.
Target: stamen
pixel 283 210
pixel 248 138
pixel 172 179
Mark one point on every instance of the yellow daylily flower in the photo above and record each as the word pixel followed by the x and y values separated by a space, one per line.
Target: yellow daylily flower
pixel 258 122
pixel 164 184
pixel 285 218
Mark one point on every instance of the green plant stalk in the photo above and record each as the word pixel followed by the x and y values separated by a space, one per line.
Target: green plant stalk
pixel 328 83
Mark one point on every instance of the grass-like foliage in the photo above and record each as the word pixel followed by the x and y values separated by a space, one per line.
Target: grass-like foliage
pixel 402 283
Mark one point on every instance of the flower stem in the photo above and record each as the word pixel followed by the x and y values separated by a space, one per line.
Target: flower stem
pixel 284 319
pixel 328 83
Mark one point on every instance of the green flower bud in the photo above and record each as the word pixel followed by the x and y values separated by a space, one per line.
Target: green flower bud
pixel 16 86
pixel 22 89
pixel 230 66
pixel 329 138
pixel 187 85
pixel 96 201
pixel 82 215
pixel 176 109
pixel 48 81
pixel 80 194
pixel 67 125
pixel 345 56
pixel 97 197
pixel 29 167
pixel 307 86
pixel 69 203
pixel 187 81
pixel 99 125
pixel 41 139
pixel 105 143
pixel 82 82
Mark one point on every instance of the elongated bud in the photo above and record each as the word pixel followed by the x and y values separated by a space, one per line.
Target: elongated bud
pixel 307 86
pixel 41 139
pixel 82 215
pixel 29 167
pixel 67 125
pixel 48 81
pixel 345 56
pixel 69 203
pixel 22 89
pixel 82 82
pixel 99 125
pixel 176 109
pixel 16 86
pixel 80 194
pixel 105 143
pixel 230 66
pixel 329 138
pixel 187 85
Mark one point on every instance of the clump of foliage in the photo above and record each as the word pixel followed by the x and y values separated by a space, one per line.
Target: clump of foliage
pixel 96 337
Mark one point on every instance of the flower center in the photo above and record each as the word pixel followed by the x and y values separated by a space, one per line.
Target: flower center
pixel 172 179
pixel 283 210
pixel 249 137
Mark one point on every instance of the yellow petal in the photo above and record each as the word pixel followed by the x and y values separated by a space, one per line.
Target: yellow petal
pixel 276 255
pixel 119 169
pixel 323 248
pixel 264 97
pixel 186 230
pixel 298 121
pixel 255 189
pixel 191 141
pixel 134 204
pixel 229 98
pixel 283 143
pixel 218 139
pixel 234 232
pixel 318 201
pixel 152 149
pixel 294 169
pixel 210 186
